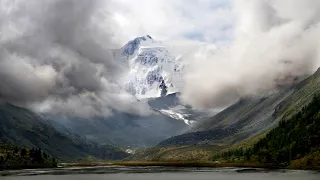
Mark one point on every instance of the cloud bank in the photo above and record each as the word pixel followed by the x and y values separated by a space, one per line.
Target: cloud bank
pixel 55 58
pixel 273 40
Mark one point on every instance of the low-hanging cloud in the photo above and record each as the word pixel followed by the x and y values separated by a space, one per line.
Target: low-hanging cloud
pixel 55 57
pixel 273 41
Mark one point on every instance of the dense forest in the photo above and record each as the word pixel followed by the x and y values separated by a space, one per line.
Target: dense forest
pixel 13 157
pixel 294 143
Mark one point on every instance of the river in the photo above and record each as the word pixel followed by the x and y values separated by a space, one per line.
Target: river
pixel 157 173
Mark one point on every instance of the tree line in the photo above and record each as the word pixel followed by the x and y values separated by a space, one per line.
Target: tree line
pixel 13 157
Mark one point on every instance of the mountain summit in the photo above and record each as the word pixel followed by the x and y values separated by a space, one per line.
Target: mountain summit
pixel 133 46
pixel 150 64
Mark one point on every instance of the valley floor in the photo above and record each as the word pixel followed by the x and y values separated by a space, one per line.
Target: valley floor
pixel 177 164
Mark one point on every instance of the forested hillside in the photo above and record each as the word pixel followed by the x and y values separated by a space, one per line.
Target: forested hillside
pixel 14 157
pixel 295 142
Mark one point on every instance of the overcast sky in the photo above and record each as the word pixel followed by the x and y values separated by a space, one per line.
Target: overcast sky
pixel 259 42
pixel 167 20
pixel 55 54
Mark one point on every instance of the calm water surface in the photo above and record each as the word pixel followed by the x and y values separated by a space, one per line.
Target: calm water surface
pixel 158 173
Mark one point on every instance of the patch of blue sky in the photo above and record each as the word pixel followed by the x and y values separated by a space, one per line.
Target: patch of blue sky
pixel 194 36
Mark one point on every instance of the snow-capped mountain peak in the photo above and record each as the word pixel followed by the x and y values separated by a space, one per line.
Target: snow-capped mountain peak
pixel 150 64
pixel 133 46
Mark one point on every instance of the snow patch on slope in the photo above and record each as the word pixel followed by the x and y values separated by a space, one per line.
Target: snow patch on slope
pixel 177 116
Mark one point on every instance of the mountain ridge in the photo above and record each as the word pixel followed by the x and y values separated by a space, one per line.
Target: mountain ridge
pixel 20 126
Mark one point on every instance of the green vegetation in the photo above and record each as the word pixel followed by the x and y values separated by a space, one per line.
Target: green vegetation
pixel 13 157
pixel 294 143
pixel 302 96
pixel 310 161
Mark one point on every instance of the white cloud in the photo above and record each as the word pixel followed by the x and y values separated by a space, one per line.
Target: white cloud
pixel 55 57
pixel 275 41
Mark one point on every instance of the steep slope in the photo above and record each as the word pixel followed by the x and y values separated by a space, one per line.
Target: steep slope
pixel 19 126
pixel 302 96
pixel 252 115
pixel 295 142
pixel 249 117
pixel 245 118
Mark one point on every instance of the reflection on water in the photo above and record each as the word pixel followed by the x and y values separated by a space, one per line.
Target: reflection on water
pixel 157 173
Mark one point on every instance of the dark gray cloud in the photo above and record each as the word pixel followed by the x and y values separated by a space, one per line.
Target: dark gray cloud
pixel 55 57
